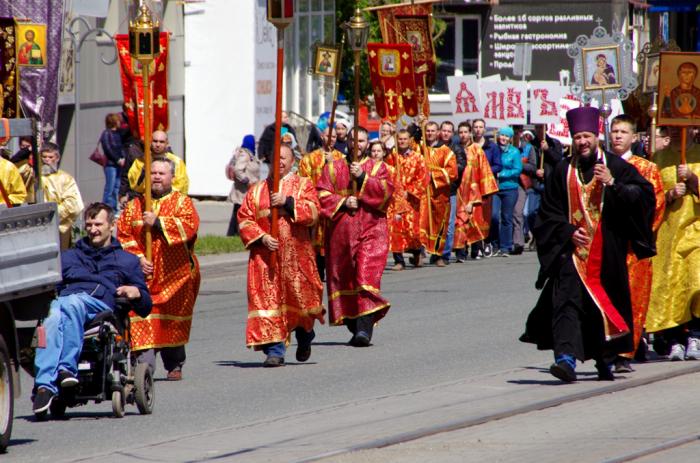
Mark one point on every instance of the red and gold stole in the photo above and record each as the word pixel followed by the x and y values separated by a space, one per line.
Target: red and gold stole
pixel 585 210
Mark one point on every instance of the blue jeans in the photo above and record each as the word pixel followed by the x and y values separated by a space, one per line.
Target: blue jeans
pixel 278 349
pixel 111 192
pixel 508 198
pixel 449 242
pixel 495 221
pixel 64 329
pixel 533 205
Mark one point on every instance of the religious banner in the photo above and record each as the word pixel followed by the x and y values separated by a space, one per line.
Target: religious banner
pixel 9 101
pixel 679 94
pixel 504 103
pixel 42 38
pixel 391 72
pixel 412 24
pixel 464 96
pixel 132 85
pixel 544 101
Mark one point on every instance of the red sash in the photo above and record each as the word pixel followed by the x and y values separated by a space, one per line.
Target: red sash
pixel 585 210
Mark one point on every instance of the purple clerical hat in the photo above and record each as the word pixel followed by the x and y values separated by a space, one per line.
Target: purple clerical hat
pixel 583 119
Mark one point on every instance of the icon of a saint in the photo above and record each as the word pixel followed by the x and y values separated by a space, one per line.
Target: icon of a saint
pixel 29 51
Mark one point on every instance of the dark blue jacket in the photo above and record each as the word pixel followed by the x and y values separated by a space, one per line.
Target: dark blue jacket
pixel 493 155
pixel 100 271
pixel 111 142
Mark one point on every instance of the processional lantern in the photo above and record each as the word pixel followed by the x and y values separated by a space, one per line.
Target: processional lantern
pixel 357 31
pixel 280 12
pixel 144 47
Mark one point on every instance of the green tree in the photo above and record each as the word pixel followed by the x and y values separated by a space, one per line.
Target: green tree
pixel 345 9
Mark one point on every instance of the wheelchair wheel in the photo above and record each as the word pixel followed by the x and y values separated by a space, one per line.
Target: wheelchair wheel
pixel 117 404
pixel 144 390
pixel 58 409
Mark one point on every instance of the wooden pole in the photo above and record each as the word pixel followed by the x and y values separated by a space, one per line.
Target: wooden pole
pixel 147 135
pixel 684 142
pixel 274 214
pixel 652 136
pixel 356 123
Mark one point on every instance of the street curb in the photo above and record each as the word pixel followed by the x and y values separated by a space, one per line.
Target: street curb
pixel 536 406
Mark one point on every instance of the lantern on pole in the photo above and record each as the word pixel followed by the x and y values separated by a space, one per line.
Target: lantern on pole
pixel 144 47
pixel 357 31
pixel 281 14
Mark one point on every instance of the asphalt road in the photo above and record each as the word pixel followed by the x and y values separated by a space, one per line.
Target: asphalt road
pixel 445 325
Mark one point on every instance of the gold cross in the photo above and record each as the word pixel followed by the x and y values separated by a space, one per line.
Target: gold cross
pixel 408 93
pixel 390 95
pixel 160 101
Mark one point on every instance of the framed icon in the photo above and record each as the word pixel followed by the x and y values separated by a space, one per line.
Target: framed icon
pixel 31 44
pixel 679 94
pixel 601 68
pixel 326 59
pixel 650 76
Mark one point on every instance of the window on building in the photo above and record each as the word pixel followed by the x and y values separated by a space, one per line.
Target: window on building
pixel 458 52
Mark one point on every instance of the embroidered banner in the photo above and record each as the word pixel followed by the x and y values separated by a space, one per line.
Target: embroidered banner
pixel 391 72
pixel 132 85
pixel 38 84
pixel 9 101
pixel 412 24
pixel 465 98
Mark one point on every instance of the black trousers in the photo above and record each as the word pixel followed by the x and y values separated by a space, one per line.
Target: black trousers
pixel 577 326
pixel 364 323
pixel 233 223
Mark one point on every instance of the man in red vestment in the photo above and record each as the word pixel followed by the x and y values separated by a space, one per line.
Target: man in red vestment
pixel 403 214
pixel 354 199
pixel 435 210
pixel 478 183
pixel 623 132
pixel 284 290
pixel 173 268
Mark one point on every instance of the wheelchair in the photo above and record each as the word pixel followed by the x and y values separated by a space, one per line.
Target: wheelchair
pixel 107 370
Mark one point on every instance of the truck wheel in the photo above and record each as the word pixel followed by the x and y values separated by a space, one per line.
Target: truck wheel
pixel 6 396
pixel 144 390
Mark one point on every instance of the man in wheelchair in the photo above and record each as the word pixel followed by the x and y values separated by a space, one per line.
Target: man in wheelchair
pixel 95 273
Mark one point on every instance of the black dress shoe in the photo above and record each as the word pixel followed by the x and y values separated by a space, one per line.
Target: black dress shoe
pixel 517 250
pixel 604 372
pixel 360 340
pixel 272 362
pixel 563 371
pixel 303 353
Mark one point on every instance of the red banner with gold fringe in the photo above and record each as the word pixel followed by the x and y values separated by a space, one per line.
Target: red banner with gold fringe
pixel 391 72
pixel 412 24
pixel 132 85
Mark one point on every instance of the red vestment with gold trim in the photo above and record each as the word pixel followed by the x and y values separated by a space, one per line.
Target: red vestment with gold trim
pixel 175 282
pixel 356 244
pixel 435 208
pixel 478 182
pixel 311 166
pixel 403 213
pixel 640 271
pixel 288 294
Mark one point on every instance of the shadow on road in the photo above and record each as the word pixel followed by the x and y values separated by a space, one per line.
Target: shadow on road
pixel 237 364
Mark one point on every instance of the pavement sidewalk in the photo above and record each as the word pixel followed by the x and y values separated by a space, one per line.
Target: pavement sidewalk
pixel 376 422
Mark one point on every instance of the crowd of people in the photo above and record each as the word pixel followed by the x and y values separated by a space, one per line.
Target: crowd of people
pixel 614 232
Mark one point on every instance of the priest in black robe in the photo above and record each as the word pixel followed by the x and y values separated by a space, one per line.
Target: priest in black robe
pixel 594 208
